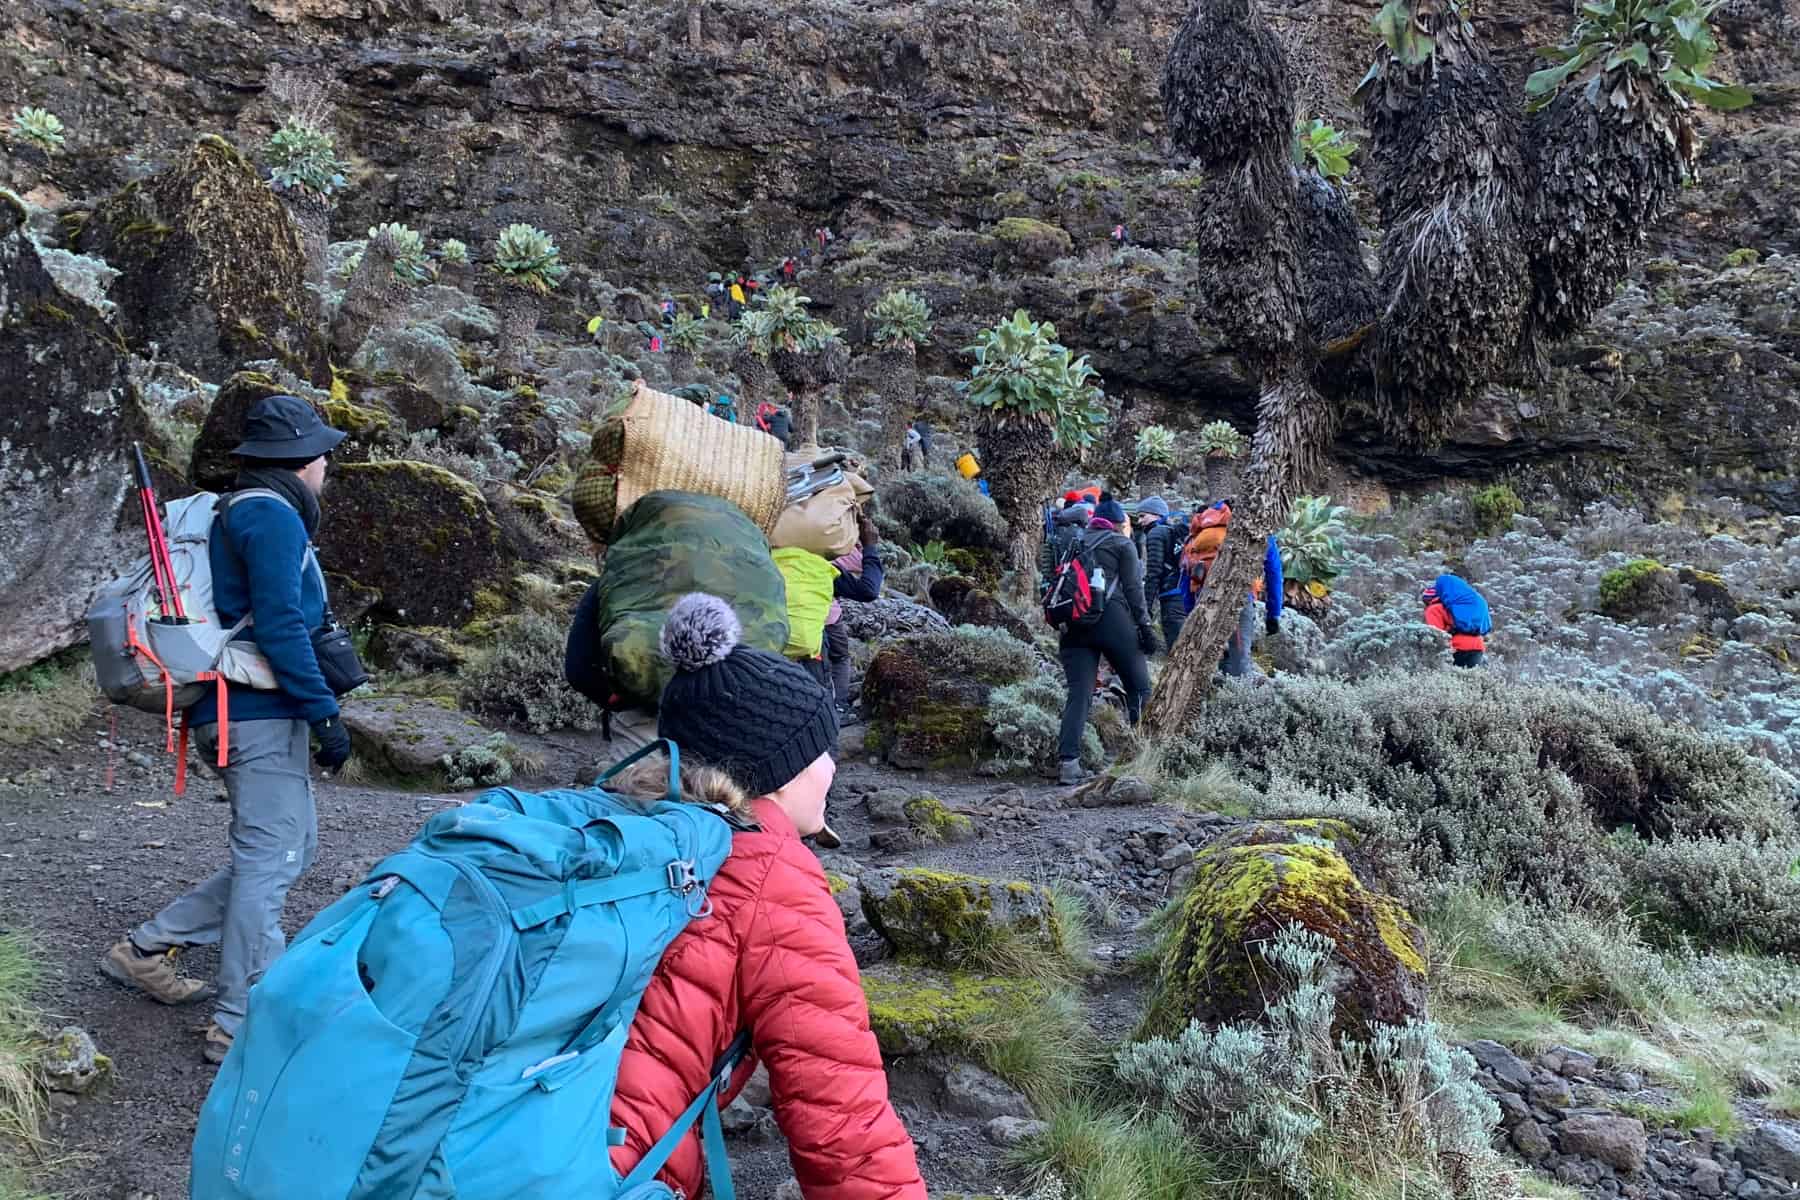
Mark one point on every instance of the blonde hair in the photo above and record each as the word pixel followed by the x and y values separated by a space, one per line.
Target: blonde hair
pixel 648 781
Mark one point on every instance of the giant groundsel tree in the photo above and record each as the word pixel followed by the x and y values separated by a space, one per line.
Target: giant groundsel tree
pixel 1503 229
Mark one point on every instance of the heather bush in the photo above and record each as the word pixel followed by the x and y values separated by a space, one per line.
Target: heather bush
pixel 1024 720
pixel 943 508
pixel 1287 1100
pixel 519 678
pixel 1732 891
pixel 1488 782
pixel 487 763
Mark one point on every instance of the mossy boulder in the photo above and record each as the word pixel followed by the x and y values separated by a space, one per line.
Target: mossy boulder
pixel 1031 244
pixel 71 408
pixel 1246 890
pixel 423 538
pixel 926 695
pixel 918 1011
pixel 212 466
pixel 963 603
pixel 950 919
pixel 1641 590
pixel 211 266
pixel 1711 595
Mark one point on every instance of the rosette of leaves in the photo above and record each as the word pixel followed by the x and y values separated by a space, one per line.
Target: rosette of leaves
pixel 1220 439
pixel 1637 49
pixel 38 127
pixel 453 253
pixel 1034 399
pixel 1156 446
pixel 807 354
pixel 303 160
pixel 392 260
pixel 1323 148
pixel 408 249
pixel 687 334
pixel 902 323
pixel 527 257
pixel 1312 543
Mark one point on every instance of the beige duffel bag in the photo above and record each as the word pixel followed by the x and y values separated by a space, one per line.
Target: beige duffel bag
pixel 825 523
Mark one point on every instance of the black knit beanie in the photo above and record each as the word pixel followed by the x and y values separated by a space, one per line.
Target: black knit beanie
pixel 754 715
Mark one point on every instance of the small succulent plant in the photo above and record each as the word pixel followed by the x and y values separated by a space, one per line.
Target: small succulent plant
pixel 39 127
pixel 453 252
pixel 1220 439
pixel 1156 446
pixel 303 159
pixel 408 247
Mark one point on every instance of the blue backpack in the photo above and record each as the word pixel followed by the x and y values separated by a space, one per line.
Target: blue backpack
pixel 1468 611
pixel 452 1027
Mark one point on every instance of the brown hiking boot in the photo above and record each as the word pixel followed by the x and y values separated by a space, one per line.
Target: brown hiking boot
pixel 155 975
pixel 217 1044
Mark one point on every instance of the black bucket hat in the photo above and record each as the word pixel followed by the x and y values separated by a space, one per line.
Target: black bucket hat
pixel 286 427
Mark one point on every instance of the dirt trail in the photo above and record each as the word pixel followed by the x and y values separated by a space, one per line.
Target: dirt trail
pixel 80 865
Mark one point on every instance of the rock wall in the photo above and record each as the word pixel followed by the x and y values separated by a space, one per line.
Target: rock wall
pixel 922 137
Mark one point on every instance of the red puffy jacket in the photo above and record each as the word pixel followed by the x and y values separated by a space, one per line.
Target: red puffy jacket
pixel 773 959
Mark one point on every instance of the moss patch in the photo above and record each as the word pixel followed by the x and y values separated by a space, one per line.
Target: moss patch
pixel 914 1011
pixel 933 821
pixel 1640 588
pixel 952 919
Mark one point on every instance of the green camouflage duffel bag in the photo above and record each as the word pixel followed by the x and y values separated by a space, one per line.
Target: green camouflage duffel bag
pixel 667 545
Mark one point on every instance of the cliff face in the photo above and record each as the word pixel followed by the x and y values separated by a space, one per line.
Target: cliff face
pixel 657 141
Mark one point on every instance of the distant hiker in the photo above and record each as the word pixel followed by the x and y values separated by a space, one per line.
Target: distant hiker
pixel 1121 236
pixel 1210 526
pixel 1097 599
pixel 737 297
pixel 922 427
pixel 859 578
pixel 752 285
pixel 1063 528
pixel 655 343
pixel 1162 566
pixel 263 567
pixel 789 270
pixel 823 237
pixel 1455 607
pixel 775 422
pixel 668 310
pixel 909 450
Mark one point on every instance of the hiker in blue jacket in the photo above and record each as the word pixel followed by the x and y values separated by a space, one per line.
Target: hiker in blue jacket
pixel 1161 552
pixel 262 565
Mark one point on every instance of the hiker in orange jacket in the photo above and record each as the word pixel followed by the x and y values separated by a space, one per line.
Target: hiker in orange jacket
pixel 1466 649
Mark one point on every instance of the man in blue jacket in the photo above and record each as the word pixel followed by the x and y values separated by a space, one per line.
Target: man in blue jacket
pixel 263 565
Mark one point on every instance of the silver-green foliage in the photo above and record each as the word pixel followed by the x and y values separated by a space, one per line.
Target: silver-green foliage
pixel 687 334
pixel 407 247
pixel 1220 439
pixel 1025 720
pixel 38 127
pixel 781 319
pixel 454 252
pixel 303 159
pixel 1022 371
pixel 487 763
pixel 1156 446
pixel 901 318
pixel 527 256
pixel 519 678
pixel 1285 1096
pixel 1312 542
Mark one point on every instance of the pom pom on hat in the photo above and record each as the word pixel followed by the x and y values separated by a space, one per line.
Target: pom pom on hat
pixel 701 630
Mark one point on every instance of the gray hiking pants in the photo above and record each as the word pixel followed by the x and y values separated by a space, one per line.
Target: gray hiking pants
pixel 1237 651
pixel 274 837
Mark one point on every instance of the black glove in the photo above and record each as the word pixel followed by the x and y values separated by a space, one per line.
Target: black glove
pixel 1147 641
pixel 1272 625
pixel 334 743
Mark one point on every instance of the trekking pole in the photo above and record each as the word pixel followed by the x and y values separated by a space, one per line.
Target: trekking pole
pixel 160 563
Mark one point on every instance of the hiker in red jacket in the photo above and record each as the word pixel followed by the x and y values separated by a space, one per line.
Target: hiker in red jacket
pixel 772 957
pixel 1466 649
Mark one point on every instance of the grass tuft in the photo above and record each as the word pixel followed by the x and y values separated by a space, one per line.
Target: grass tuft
pixel 47 699
pixel 1109 1154
pixel 21 1097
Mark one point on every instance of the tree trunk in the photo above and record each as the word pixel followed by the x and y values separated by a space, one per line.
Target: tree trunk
pixel 754 376
pixel 899 374
pixel 1220 474
pixel 312 220
pixel 806 417
pixel 519 309
pixel 681 365
pixel 693 25
pixel 1295 425
pixel 371 295
pixel 1020 460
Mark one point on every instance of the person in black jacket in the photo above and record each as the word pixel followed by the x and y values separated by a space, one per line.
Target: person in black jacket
pixel 1123 637
pixel 1161 541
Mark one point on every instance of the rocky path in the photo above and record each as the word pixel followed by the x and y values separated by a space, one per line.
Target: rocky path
pixel 80 864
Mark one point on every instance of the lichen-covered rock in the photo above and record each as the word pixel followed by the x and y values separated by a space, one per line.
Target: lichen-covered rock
pixel 423 538
pixel 916 1011
pixel 889 617
pixel 945 918
pixel 410 739
pixel 1641 590
pixel 935 822
pixel 212 268
pixel 1028 243
pixel 965 604
pixel 214 469
pixel 926 696
pixel 71 408
pixel 1249 888
pixel 71 1063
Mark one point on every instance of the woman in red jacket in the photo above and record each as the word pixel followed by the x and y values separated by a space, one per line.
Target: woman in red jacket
pixel 772 957
pixel 1466 649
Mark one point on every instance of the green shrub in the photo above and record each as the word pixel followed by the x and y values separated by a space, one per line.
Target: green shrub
pixel 1743 256
pixel 1108 1154
pixel 1484 782
pixel 519 678
pixel 1284 1098
pixel 1741 890
pixel 38 127
pixel 303 159
pixel 486 763
pixel 527 256
pixel 1494 508
pixel 1156 446
pixel 1641 587
pixel 902 319
pixel 1322 147
pixel 1025 723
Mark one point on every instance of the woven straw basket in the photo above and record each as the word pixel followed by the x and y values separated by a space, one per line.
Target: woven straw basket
pixel 662 443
